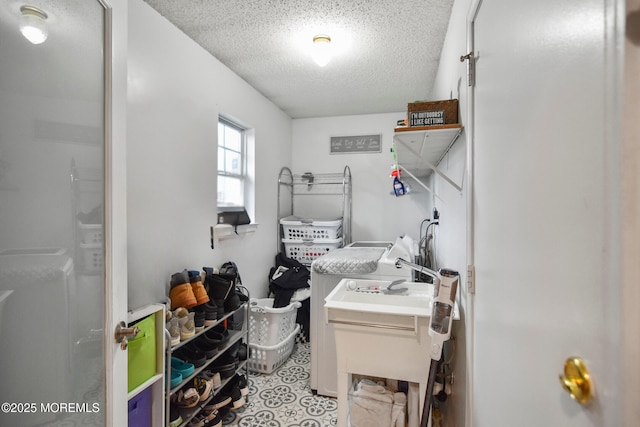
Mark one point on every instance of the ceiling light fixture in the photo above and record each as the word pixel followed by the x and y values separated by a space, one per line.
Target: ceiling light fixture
pixel 33 25
pixel 321 52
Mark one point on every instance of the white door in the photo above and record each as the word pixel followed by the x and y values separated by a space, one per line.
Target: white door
pixel 62 263
pixel 545 212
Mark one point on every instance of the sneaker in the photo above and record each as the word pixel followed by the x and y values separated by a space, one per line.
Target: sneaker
pixel 199 317
pixel 187 323
pixel 175 419
pixel 195 279
pixel 181 292
pixel 173 327
pixel 210 313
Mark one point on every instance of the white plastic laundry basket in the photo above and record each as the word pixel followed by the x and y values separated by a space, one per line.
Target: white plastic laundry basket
pixel 266 359
pixel 295 228
pixel 270 326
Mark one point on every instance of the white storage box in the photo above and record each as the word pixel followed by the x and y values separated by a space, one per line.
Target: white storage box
pixel 91 233
pixel 299 228
pixel 268 325
pixel 306 251
pixel 92 257
pixel 266 359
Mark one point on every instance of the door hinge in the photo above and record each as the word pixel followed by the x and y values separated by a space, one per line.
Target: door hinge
pixel 471 279
pixel 471 68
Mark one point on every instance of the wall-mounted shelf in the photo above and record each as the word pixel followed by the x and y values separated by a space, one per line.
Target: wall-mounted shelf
pixel 227 231
pixel 419 150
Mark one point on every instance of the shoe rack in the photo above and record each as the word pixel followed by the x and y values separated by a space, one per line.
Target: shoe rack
pixel 187 414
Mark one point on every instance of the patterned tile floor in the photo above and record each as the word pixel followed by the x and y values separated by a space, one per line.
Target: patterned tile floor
pixel 284 399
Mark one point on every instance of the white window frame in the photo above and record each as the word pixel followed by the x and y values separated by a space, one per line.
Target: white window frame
pixel 242 176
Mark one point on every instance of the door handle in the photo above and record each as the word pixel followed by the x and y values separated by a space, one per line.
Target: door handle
pixel 576 380
pixel 123 334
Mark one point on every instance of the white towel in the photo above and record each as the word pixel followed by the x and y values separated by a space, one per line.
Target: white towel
pixel 371 405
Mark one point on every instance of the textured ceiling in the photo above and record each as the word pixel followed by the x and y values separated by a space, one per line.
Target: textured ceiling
pixel 387 51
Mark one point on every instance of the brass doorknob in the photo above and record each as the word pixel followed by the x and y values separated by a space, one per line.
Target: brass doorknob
pixel 577 380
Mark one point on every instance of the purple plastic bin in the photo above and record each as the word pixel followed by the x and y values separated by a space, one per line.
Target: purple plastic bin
pixel 140 409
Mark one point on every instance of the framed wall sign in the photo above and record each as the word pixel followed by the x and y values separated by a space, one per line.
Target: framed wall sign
pixel 356 144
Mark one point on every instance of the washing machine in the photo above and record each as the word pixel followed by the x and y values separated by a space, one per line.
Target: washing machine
pixel 360 260
pixel 35 331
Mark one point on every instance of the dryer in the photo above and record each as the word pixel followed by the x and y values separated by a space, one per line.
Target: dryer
pixel 360 260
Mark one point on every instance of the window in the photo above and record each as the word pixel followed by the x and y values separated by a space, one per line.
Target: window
pixel 232 165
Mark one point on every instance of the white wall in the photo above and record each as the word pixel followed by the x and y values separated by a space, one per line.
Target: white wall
pixel 451 242
pixel 377 214
pixel 176 91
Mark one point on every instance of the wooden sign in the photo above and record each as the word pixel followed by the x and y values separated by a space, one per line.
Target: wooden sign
pixel 356 144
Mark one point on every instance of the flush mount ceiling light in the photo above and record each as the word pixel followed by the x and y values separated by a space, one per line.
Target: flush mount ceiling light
pixel 33 25
pixel 321 50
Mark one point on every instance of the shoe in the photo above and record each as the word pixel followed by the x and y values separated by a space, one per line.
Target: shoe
pixel 175 419
pixel 197 421
pixel 218 288
pixel 215 338
pixel 174 330
pixel 232 302
pixel 192 355
pixel 226 369
pixel 176 379
pixel 212 417
pixel 179 365
pixel 187 398
pixel 198 288
pixel 237 399
pixel 199 317
pixel 203 386
pixel 219 401
pixel 181 292
pixel 187 323
pixel 206 346
pixel 210 313
pixel 241 380
pixel 214 377
pixel 242 352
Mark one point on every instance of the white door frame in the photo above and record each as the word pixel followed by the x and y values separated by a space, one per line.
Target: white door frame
pixel 116 305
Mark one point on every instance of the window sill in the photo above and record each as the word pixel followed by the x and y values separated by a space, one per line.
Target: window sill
pixel 226 231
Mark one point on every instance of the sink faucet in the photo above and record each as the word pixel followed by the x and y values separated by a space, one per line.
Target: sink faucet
pixel 424 270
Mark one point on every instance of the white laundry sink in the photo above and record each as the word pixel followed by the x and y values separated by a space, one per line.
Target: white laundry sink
pixel 372 296
pixel 373 326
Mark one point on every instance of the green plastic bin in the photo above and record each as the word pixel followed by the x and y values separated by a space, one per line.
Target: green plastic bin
pixel 142 352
